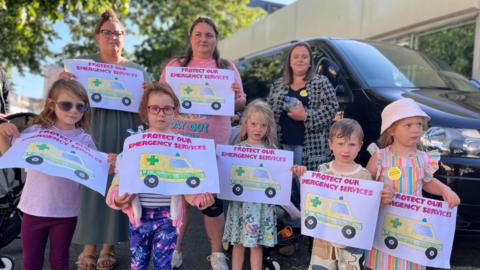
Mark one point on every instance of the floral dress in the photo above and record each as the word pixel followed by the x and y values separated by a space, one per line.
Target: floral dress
pixel 250 224
pixel 406 175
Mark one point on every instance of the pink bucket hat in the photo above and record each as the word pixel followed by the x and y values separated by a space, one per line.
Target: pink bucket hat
pixel 398 110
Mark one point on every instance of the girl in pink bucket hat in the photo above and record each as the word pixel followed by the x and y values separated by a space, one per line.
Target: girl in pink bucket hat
pixel 404 168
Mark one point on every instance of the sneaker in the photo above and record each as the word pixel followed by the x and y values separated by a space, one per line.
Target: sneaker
pixel 177 259
pixel 218 261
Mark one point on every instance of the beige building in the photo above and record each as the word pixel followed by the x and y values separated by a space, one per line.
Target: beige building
pixel 404 22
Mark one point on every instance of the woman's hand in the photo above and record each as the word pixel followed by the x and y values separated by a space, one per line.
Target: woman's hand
pixel 146 85
pixel 237 90
pixel 66 75
pixel 298 113
pixel 206 200
pixel 9 130
pixel 112 160
pixel 450 197
pixel 126 198
pixel 298 170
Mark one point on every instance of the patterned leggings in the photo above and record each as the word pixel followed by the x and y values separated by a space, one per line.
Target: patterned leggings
pixel 155 235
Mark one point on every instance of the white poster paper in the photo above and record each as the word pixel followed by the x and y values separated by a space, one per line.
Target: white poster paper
pixel 108 86
pixel 168 164
pixel 340 210
pixel 203 90
pixel 251 174
pixel 417 229
pixel 50 152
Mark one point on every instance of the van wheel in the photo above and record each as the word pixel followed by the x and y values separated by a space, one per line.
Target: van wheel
pixel 193 182
pixel 431 253
pixel 310 222
pixel 126 101
pixel 35 160
pixel 96 97
pixel 391 242
pixel 81 174
pixel 237 189
pixel 270 192
pixel 216 106
pixel 187 104
pixel 151 181
pixel 348 232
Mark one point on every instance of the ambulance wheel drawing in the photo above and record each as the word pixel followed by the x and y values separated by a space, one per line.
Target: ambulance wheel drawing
pixel 216 106
pixel 187 104
pixel 311 222
pixel 270 192
pixel 348 232
pixel 96 97
pixel 431 253
pixel 126 101
pixel 237 189
pixel 35 160
pixel 391 242
pixel 417 234
pixel 81 174
pixel 151 181
pixel 193 182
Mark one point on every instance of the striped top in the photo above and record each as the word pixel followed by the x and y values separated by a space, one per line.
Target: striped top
pixel 149 200
pixel 406 175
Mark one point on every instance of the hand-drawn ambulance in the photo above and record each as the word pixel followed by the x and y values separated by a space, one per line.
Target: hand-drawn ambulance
pixel 160 167
pixel 418 234
pixel 202 95
pixel 252 177
pixel 40 152
pixel 330 212
pixel 115 89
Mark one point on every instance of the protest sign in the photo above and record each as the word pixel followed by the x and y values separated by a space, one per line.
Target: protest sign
pixel 251 174
pixel 417 229
pixel 339 209
pixel 108 86
pixel 203 90
pixel 168 164
pixel 52 153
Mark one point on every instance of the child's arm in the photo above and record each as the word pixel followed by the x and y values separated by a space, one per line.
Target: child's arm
pixel 7 132
pixel 436 187
pixel 112 160
pixel 114 200
pixel 387 191
pixel 298 170
pixel 201 201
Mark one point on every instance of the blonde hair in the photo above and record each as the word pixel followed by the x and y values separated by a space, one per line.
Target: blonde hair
pixel 156 88
pixel 47 117
pixel 261 107
pixel 344 128
pixel 387 139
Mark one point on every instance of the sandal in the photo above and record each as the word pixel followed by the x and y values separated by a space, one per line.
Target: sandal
pixel 106 258
pixel 86 261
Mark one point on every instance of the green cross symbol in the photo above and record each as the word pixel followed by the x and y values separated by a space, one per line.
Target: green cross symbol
pixel 316 202
pixel 240 171
pixel 396 223
pixel 188 90
pixel 152 160
pixel 97 82
pixel 42 147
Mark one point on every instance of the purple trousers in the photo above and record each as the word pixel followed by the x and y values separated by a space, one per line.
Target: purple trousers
pixel 35 233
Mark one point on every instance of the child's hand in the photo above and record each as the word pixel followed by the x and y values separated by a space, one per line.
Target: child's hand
pixel 207 200
pixel 66 75
pixel 124 199
pixel 112 160
pixel 9 130
pixel 450 197
pixel 146 85
pixel 386 195
pixel 298 170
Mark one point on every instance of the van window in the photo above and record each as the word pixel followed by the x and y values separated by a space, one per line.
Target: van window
pixel 117 85
pixel 422 230
pixel 261 174
pixel 206 92
pixel 178 163
pixel 71 157
pixel 340 208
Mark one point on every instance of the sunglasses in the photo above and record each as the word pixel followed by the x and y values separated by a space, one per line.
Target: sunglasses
pixel 109 33
pixel 67 106
pixel 155 109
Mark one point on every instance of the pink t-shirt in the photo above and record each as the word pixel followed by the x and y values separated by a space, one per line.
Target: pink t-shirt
pixel 51 196
pixel 213 127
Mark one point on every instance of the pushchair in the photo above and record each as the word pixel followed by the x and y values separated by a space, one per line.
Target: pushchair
pixel 11 185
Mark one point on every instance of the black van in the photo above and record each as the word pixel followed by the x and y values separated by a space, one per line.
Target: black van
pixel 369 75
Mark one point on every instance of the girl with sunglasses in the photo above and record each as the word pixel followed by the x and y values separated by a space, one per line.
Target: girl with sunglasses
pixel 50 205
pixel 153 217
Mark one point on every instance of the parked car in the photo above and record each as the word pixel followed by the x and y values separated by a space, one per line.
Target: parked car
pixel 367 76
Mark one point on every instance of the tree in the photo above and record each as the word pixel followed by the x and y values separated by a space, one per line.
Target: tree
pixel 27 28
